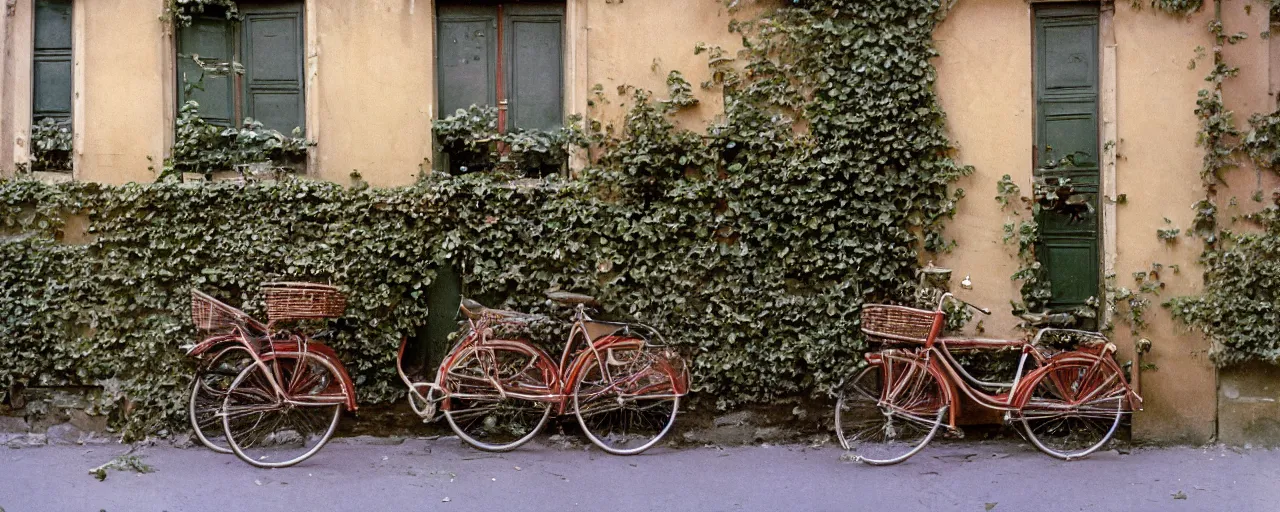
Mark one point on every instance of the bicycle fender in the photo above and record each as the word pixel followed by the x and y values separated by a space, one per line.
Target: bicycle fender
pixel 209 343
pixel 324 352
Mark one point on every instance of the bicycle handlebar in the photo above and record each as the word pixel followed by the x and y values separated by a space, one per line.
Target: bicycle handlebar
pixel 951 296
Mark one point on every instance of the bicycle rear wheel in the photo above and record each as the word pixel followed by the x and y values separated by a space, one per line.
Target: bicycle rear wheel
pixel 209 390
pixel 479 396
pixel 890 410
pixel 629 403
pixel 270 431
pixel 1074 408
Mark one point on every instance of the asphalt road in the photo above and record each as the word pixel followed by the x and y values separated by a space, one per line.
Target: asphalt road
pixel 364 474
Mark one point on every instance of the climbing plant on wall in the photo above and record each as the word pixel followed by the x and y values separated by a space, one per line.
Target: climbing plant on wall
pixel 1236 309
pixel 752 245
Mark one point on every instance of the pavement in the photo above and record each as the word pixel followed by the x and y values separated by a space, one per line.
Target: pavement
pixel 441 474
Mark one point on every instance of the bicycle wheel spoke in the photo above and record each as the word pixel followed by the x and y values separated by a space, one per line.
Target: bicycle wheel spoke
pixel 1074 408
pixel 889 411
pixel 628 403
pixel 477 403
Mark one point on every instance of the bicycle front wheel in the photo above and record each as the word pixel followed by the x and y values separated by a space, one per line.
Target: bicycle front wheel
pixel 272 431
pixel 1074 408
pixel 625 398
pixel 890 410
pixel 485 396
pixel 209 390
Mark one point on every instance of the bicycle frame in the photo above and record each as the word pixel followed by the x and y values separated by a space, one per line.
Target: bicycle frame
pixel 295 347
pixel 598 339
pixel 936 357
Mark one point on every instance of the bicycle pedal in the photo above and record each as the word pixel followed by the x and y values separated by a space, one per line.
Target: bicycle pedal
pixel 953 433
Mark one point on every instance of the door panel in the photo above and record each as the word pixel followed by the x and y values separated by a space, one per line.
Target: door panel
pixel 1066 38
pixel 534 47
pixel 1072 269
pixel 466 46
pixel 212 41
pixel 51 66
pixel 272 45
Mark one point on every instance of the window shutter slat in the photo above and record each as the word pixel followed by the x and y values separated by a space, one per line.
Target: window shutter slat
pixel 272 47
pixel 211 40
pixel 535 69
pixel 51 66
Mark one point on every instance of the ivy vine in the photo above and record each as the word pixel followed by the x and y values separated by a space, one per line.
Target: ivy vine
pixel 204 149
pixel 472 142
pixel 752 245
pixel 51 144
pixel 181 13
pixel 1237 307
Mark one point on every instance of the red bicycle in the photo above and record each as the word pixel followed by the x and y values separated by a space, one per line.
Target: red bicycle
pixel 272 397
pixel 1068 403
pixel 622 383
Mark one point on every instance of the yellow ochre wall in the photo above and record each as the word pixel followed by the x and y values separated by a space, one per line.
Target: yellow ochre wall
pixel 985 86
pixel 371 100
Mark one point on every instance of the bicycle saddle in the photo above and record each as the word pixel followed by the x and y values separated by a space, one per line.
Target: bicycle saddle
pixel 475 310
pixel 568 298
pixel 471 309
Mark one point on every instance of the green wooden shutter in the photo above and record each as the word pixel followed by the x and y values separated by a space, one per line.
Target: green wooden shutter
pixel 466 49
pixel 1066 56
pixel 212 41
pixel 272 50
pixel 51 66
pixel 534 65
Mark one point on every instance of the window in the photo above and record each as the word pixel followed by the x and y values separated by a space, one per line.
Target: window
pixel 51 140
pixel 51 67
pixel 1066 76
pixel 503 54
pixel 250 67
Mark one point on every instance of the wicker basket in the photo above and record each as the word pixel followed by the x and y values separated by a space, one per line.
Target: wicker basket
pixel 896 324
pixel 303 301
pixel 211 314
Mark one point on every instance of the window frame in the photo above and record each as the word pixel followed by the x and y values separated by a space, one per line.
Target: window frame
pixel 239 88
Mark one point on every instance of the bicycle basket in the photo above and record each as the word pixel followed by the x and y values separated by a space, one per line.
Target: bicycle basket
pixel 896 324
pixel 303 301
pixel 210 314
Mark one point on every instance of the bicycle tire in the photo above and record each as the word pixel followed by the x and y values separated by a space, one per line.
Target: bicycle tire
pixel 478 412
pixel 1076 397
pixel 880 429
pixel 208 390
pixel 641 381
pixel 253 412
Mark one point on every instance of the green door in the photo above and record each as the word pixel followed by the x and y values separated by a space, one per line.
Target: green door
pixel 533 38
pixel 248 67
pixel 1067 148
pixel 206 51
pixel 271 42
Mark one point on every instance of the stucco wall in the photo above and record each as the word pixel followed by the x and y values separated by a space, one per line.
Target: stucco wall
pixel 121 108
pixel 988 101
pixel 8 11
pixel 374 67
pixel 985 77
pixel 1158 170
pixel 627 44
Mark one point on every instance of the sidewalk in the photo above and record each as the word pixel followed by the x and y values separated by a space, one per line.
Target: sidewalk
pixel 375 474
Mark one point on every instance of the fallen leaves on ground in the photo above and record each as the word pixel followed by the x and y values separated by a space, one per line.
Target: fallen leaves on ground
pixel 124 462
